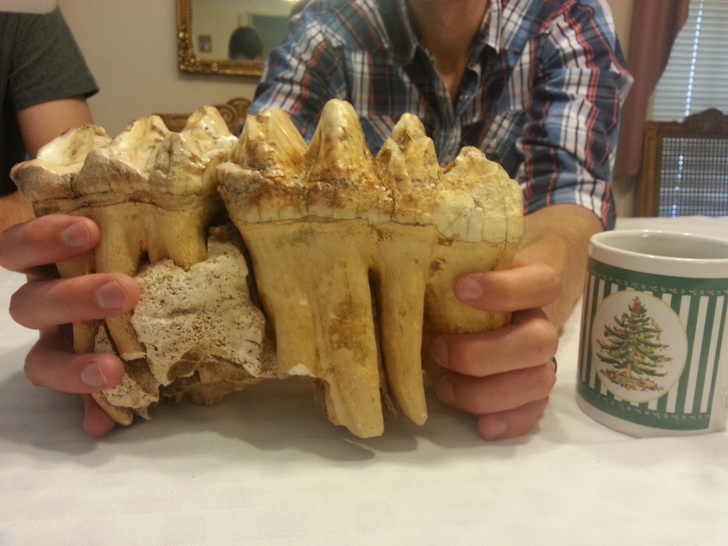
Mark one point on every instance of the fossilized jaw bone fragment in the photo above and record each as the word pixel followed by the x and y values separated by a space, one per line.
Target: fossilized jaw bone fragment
pixel 203 336
pixel 329 229
pixel 151 191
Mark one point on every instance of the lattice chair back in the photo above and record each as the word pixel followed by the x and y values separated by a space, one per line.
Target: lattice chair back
pixel 233 112
pixel 685 167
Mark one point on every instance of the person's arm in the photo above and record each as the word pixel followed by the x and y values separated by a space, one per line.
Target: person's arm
pixel 43 122
pixel 39 125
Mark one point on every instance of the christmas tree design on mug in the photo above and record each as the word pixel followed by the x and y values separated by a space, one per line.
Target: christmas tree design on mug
pixel 632 351
pixel 643 348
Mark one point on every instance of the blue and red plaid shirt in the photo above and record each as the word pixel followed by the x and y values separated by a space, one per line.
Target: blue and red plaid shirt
pixel 541 93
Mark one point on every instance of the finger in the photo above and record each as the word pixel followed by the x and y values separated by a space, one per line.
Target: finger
pixel 46 240
pixel 511 423
pixel 528 341
pixel 496 393
pixel 524 286
pixel 96 421
pixel 75 299
pixel 52 364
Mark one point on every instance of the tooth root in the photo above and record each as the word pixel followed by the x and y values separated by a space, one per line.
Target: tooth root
pixel 83 332
pixel 183 234
pixel 444 314
pixel 405 255
pixel 323 318
pixel 120 252
pixel 121 415
pixel 135 391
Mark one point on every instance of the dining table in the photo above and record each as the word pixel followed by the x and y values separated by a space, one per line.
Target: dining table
pixel 264 467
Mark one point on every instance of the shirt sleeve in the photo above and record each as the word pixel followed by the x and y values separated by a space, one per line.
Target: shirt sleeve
pixel 40 63
pixel 47 63
pixel 570 138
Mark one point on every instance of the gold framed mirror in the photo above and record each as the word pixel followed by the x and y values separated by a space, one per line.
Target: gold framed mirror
pixel 205 31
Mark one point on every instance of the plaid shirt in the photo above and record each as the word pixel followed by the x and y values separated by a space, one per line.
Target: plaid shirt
pixel 540 95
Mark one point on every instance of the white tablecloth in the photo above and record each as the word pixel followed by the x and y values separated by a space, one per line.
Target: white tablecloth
pixel 265 468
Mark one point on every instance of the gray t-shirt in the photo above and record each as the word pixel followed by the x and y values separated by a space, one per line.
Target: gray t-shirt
pixel 39 62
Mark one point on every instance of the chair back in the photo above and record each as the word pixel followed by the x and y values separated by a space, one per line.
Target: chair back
pixel 685 167
pixel 233 112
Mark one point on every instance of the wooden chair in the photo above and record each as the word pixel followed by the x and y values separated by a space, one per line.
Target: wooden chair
pixel 233 112
pixel 685 167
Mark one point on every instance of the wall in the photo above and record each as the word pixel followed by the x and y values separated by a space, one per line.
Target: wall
pixel 131 48
pixel 222 17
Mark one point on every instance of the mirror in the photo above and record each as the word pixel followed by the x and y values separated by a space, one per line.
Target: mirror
pixel 207 30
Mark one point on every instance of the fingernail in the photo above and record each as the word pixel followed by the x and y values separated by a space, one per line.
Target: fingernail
pixel 76 235
pixel 445 390
pixel 93 376
pixel 498 429
pixel 469 289
pixel 111 296
pixel 438 350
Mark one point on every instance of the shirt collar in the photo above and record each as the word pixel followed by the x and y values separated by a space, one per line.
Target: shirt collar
pixel 490 30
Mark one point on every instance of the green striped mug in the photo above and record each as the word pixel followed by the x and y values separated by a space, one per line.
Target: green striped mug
pixel 653 355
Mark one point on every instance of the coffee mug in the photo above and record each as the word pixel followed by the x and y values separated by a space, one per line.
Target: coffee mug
pixel 653 356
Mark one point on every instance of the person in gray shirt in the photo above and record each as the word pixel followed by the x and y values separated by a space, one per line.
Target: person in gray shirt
pixel 44 83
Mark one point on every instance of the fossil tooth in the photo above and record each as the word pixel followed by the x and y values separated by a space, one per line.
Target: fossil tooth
pixel 152 193
pixel 312 272
pixel 358 229
pixel 354 257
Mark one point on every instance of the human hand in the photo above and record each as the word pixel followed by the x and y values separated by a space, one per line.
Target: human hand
pixel 504 376
pixel 49 304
